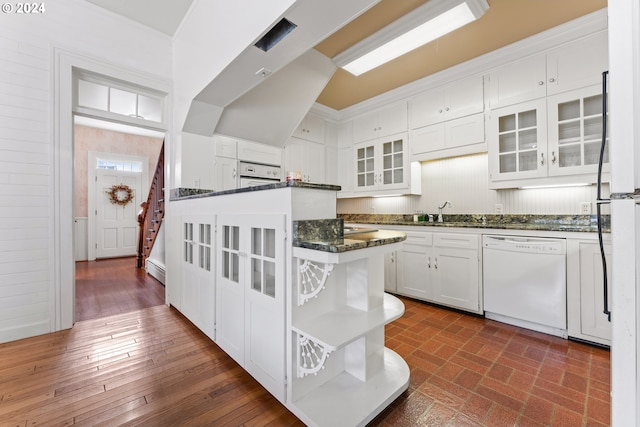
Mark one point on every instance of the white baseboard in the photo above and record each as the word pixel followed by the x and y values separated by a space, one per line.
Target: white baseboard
pixel 156 269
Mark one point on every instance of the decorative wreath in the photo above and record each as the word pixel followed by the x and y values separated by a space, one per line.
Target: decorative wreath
pixel 120 194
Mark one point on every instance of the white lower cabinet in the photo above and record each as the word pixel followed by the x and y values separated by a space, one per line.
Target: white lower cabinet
pixel 443 268
pixel 198 272
pixel 250 295
pixel 585 282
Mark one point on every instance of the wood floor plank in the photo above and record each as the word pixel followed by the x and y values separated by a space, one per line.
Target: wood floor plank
pixel 152 367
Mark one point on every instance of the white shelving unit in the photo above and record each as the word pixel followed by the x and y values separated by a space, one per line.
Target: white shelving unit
pixel 341 372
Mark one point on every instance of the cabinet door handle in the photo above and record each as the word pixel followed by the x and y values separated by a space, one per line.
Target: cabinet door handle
pixel 429 262
pixel 234 172
pixel 541 159
pixel 435 263
pixel 541 82
pixel 553 157
pixel 551 80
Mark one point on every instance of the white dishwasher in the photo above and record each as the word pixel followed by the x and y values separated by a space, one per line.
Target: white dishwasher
pixel 525 282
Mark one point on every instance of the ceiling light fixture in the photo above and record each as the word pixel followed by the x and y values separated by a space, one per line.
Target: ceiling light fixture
pixel 422 25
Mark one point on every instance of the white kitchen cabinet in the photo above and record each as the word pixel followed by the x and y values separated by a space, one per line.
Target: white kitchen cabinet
pixel 517 142
pixel 547 141
pixel 250 295
pixel 226 174
pixel 259 153
pixel 383 165
pixel 570 66
pixel 443 268
pixel 585 291
pixel 390 271
pixel 198 298
pixel 465 135
pixel 575 132
pixel 414 265
pixel 305 157
pixel 226 146
pixel 311 129
pixel 455 271
pixel 459 99
pixel 380 123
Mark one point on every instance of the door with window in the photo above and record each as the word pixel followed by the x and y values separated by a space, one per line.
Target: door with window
pixel 250 295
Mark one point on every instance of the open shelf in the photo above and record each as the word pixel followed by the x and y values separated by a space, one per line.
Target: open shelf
pixel 347 401
pixel 343 326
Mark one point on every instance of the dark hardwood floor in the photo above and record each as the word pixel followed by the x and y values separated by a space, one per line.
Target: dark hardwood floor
pixel 152 367
pixel 113 286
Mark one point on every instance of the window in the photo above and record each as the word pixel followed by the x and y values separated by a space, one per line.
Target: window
pixel 127 166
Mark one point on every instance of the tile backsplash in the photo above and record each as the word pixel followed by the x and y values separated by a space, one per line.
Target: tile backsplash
pixel 464 181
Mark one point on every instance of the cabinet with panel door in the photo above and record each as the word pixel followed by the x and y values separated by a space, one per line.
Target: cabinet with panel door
pixel 567 67
pixel 380 123
pixel 305 157
pixel 311 128
pixel 443 268
pixel 585 290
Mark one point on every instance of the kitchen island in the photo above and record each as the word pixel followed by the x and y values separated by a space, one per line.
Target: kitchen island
pixel 268 274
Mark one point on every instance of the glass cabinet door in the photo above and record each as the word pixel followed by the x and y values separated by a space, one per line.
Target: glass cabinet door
pixel 393 162
pixel 365 166
pixel 575 132
pixel 518 141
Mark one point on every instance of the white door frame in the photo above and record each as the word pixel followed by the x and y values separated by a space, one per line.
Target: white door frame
pixel 62 287
pixel 91 192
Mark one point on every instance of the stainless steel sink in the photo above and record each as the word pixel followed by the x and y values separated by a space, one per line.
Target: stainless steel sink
pixel 348 231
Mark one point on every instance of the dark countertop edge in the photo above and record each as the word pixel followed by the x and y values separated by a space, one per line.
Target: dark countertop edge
pixel 355 242
pixel 177 194
pixel 562 223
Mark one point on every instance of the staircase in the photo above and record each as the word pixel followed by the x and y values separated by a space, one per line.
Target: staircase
pixel 151 217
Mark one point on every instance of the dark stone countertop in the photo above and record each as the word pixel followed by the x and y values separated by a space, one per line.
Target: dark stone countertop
pixel 197 193
pixel 327 235
pixel 570 223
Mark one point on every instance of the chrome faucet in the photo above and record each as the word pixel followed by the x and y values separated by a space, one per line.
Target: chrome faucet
pixel 440 210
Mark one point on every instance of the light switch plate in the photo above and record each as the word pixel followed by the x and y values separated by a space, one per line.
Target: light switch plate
pixel 498 209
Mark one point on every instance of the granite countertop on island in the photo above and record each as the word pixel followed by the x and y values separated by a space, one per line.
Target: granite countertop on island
pixel 327 235
pixel 176 194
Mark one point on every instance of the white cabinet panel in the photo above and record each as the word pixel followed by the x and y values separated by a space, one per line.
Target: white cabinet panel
pixel 226 174
pixel 380 123
pixel 455 137
pixel 259 153
pixel 305 157
pixel 593 322
pixel 311 129
pixel 571 66
pixel 459 99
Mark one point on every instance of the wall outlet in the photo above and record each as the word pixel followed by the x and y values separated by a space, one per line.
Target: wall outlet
pixel 585 208
pixel 498 209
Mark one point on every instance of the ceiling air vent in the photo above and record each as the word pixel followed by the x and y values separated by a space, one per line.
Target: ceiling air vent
pixel 275 34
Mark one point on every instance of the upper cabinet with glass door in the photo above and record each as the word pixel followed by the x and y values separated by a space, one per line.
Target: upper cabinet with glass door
pixel 383 164
pixel 518 142
pixel 575 132
pixel 96 96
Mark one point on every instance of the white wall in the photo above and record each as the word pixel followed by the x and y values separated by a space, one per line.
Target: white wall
pixel 465 182
pixel 36 163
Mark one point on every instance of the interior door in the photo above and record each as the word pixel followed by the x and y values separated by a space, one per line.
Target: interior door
pixel 116 224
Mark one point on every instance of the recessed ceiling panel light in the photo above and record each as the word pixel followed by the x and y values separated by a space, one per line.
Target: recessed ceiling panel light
pixel 426 23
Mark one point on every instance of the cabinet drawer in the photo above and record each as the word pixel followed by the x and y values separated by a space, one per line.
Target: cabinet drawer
pixel 419 238
pixel 459 241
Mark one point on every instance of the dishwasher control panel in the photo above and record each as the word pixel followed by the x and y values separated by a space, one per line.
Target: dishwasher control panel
pixel 540 245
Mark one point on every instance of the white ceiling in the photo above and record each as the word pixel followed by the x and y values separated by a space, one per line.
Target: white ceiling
pixel 162 15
